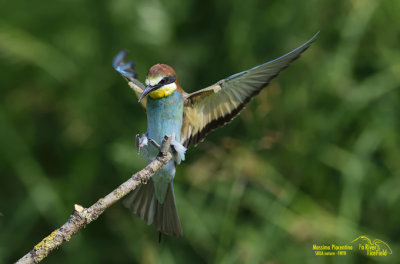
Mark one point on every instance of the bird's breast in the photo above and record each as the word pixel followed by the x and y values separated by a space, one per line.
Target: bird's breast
pixel 164 116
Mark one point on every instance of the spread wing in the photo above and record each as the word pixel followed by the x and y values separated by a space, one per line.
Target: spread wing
pixel 126 70
pixel 218 104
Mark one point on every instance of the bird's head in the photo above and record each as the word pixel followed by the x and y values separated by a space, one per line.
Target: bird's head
pixel 160 82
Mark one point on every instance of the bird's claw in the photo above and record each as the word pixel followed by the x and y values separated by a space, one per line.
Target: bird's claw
pixel 141 142
pixel 125 69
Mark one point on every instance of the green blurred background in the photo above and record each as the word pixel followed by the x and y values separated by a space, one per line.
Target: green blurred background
pixel 313 159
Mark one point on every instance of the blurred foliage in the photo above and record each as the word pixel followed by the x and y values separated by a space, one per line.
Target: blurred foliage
pixel 313 159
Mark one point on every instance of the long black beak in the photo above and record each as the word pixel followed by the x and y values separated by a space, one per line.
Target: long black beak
pixel 147 90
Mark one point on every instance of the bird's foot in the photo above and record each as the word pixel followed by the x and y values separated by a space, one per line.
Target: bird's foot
pixel 179 149
pixel 125 69
pixel 141 142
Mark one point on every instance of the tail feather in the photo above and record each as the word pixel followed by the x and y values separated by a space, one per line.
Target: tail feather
pixel 144 204
pixel 140 202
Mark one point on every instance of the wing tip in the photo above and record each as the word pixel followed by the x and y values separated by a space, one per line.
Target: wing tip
pixel 312 39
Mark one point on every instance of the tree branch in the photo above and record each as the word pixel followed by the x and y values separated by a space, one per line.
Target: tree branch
pixel 83 216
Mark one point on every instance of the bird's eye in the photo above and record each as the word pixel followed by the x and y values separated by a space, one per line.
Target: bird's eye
pixel 163 81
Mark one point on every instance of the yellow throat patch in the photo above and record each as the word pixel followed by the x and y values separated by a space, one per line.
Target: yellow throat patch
pixel 164 91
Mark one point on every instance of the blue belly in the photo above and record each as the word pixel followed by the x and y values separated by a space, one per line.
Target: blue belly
pixel 164 117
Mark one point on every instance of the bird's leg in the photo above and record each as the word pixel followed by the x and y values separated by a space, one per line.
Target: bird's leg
pixel 155 144
pixel 142 143
pixel 179 149
pixel 125 69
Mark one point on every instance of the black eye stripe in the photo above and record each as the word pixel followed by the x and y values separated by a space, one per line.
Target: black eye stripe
pixel 164 81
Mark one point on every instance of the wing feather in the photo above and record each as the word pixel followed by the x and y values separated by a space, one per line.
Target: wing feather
pixel 126 69
pixel 214 106
pixel 138 88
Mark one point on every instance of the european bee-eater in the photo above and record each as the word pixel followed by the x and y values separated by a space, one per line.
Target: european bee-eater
pixel 188 118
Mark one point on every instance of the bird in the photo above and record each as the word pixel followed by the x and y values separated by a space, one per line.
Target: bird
pixel 187 118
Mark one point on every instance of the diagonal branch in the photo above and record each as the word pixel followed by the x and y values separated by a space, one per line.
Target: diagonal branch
pixel 83 216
